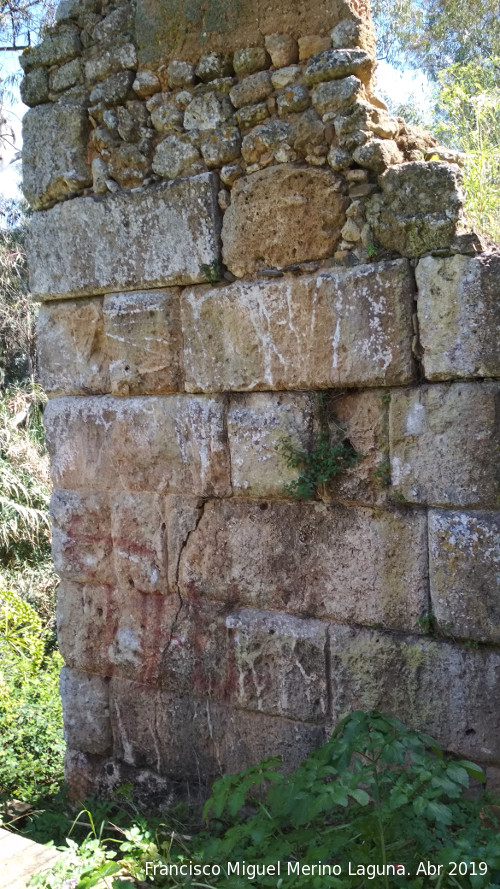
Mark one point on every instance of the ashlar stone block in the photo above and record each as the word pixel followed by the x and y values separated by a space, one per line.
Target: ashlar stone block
pixel 180 735
pixel 459 315
pixel 72 352
pixel 161 236
pixel 144 341
pixel 163 444
pixel 282 215
pixel 343 327
pixel 85 701
pixel 279 664
pixel 255 660
pixel 138 528
pixel 82 548
pixel 442 442
pixel 55 168
pixel 464 570
pixel 261 424
pixel 410 678
pixel 347 564
pixel 109 630
pixel 258 424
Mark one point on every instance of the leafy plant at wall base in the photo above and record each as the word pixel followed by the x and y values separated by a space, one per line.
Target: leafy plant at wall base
pixel 374 793
pixel 31 742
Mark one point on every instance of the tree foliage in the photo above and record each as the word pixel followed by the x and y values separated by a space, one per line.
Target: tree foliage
pixel 435 34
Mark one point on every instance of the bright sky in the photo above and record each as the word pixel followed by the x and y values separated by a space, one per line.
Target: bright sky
pixel 401 86
pixel 10 174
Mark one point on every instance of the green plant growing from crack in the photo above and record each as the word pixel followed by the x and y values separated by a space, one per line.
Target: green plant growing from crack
pixel 321 462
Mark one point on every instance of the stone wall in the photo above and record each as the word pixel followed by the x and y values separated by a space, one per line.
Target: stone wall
pixel 238 251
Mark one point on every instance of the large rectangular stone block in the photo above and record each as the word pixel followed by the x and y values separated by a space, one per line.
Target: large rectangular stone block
pixel 459 316
pixel 338 328
pixel 464 573
pixel 85 701
pixel 282 215
pixel 82 548
pixel 444 444
pixel 261 424
pixel 170 443
pixel 255 660
pixel 144 341
pixel 164 235
pixel 72 350
pixel 55 161
pixel 446 690
pixel 108 631
pixel 348 564
pixel 182 736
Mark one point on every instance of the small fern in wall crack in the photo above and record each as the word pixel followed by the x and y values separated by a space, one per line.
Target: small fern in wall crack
pixel 321 462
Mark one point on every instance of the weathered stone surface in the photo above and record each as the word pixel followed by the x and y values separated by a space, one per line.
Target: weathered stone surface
pixel 146 83
pixel 256 425
pixel 114 90
pixel 101 776
pixel 81 537
pixel 419 207
pixel 442 444
pixel 221 146
pixel 292 99
pixel 110 62
pixel 266 140
pixel 115 631
pixel 71 348
pixel 377 154
pixel 177 442
pixel 251 89
pixel 166 117
pixel 155 728
pixel 342 327
pixel 354 33
pixel 54 168
pixel 166 30
pixel 259 424
pixel 364 418
pixel 464 549
pixel 323 561
pixel 311 44
pixel 251 115
pixel 285 76
pixel 336 95
pixel 174 156
pixel 115 27
pixel 53 50
pixel 249 60
pixel 34 87
pixel 162 236
pixel 180 74
pixel 459 316
pixel 138 528
pixel 214 65
pixel 86 711
pixel 283 49
pixel 128 165
pixel 411 679
pixel 144 341
pixel 332 64
pixel 278 664
pixel 282 215
pixel 66 76
pixel 205 112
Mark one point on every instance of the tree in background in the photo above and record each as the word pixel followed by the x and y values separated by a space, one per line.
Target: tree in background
pixel 456 43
